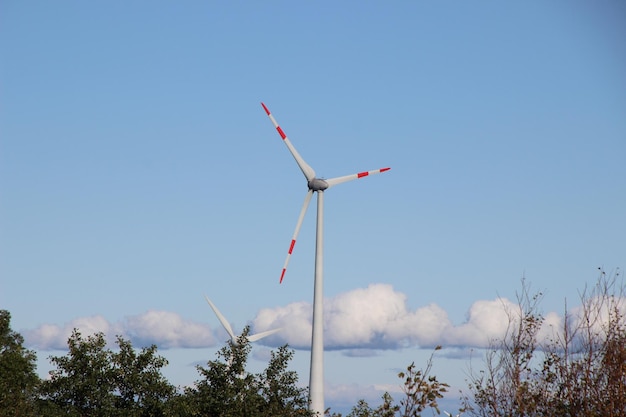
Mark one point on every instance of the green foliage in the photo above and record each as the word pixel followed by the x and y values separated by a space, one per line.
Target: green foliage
pixel 82 384
pixel 92 380
pixel 18 379
pixel 278 386
pixel 227 390
pixel 140 387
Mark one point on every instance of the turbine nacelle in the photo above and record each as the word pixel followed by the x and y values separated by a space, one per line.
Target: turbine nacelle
pixel 317 184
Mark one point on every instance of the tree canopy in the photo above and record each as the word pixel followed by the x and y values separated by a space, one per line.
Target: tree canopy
pixel 226 389
pixel 18 376
pixel 92 380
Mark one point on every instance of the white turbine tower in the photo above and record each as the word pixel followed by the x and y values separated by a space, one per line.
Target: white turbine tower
pixel 316 378
pixel 229 330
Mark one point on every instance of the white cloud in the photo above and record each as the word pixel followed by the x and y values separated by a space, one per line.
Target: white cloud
pixel 165 329
pixel 360 322
pixel 294 319
pixel 598 313
pixel 551 328
pixel 486 321
pixel 364 318
pixel 361 316
pixel 423 327
pixel 53 337
pixel 377 317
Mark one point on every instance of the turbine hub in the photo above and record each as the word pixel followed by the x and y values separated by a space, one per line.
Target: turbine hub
pixel 317 184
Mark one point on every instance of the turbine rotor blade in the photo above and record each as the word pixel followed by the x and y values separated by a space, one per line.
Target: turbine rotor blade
pixel 308 172
pixel 307 200
pixel 338 180
pixel 261 335
pixel 222 320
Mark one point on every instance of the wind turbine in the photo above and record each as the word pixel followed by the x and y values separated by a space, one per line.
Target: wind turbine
pixel 229 330
pixel 319 185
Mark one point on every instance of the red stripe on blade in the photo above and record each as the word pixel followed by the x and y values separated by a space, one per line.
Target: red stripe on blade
pixel 282 276
pixel 384 169
pixel 293 243
pixel 266 109
pixel 362 174
pixel 280 131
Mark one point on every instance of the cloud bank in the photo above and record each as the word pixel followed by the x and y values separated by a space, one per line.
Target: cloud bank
pixel 162 328
pixel 359 322
pixel 377 317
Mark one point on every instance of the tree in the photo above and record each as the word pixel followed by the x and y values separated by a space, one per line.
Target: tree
pixel 92 380
pixel 140 387
pixel 421 391
pixel 362 408
pixel 18 378
pixel 82 384
pixel 503 388
pixel 579 371
pixel 227 390
pixel 278 387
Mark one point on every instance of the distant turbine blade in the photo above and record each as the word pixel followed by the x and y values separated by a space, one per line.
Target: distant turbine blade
pixel 334 181
pixel 308 172
pixel 261 335
pixel 307 200
pixel 222 320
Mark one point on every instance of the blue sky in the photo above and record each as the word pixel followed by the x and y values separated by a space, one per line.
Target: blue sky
pixel 139 172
